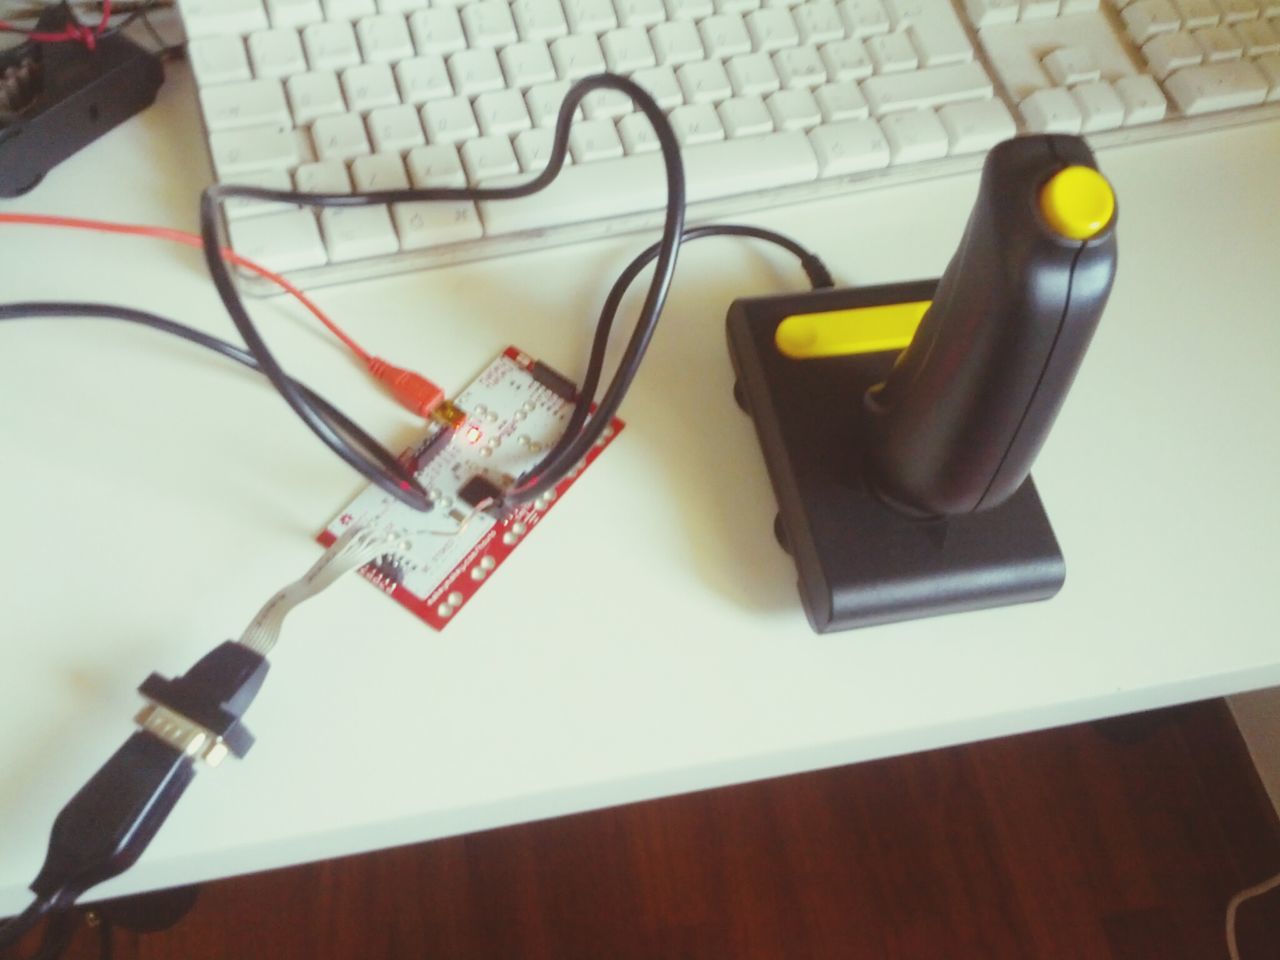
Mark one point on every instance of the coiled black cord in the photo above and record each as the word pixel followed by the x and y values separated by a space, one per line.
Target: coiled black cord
pixel 400 483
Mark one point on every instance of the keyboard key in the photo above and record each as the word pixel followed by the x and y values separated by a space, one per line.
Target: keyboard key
pixel 436 165
pixel 1142 98
pixel 636 133
pixel 280 241
pixel 728 168
pixel 485 158
pixel 1100 107
pixel 501 112
pixel 1071 65
pixel 940 40
pixel 382 171
pixel 395 129
pixel 1259 37
pixel 847 60
pixel 738 7
pixel 533 149
pixel 294 13
pixel 640 13
pixel 914 136
pixel 238 207
pixel 250 103
pixel 330 46
pixel 357 233
pixel 326 176
pixel 1171 51
pixel 1270 67
pixel 976 126
pixel 818 21
pixel 218 60
pixel 695 123
pixel 449 121
pixel 347 9
pixel 892 53
pixel 421 225
pixel 544 102
pixel 369 85
pixel 704 82
pixel 772 29
pixel 689 9
pixel 526 64
pixel 988 13
pixel 252 149
pixel 745 117
pixel 581 192
pixel 423 78
pixel 539 19
pixel 800 68
pixel 1146 18
pixel 1197 13
pixel 752 74
pixel 676 43
pixel 864 18
pixel 1030 10
pixel 340 137
pixel 589 16
pixel 841 101
pixel 1219 43
pixel 627 49
pixel 1217 86
pixel 589 191
pixel 1237 11
pixel 400 6
pixel 850 146
pixel 592 140
pixel 438 30
pixel 384 38
pixel 1051 111
pixel 724 35
pixel 660 83
pixel 207 18
pixel 474 72
pixel 276 53
pixel 794 110
pixel 313 95
pixel 488 24
pixel 930 87
pixel 576 57
pixel 606 104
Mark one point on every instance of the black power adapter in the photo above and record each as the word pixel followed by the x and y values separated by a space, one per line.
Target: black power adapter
pixel 56 98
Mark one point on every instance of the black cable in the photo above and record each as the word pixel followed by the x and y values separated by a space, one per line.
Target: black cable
pixel 668 248
pixel 337 420
pixel 558 461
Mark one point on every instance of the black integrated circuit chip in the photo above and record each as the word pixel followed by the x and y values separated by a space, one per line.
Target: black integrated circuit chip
pixel 556 382
pixel 477 490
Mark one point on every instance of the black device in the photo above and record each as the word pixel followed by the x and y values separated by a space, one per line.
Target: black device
pixel 56 98
pixel 902 474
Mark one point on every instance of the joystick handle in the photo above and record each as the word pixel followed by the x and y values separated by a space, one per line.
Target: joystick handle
pixel 959 420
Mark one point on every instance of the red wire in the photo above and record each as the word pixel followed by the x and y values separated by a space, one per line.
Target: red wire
pixel 191 240
pixel 73 31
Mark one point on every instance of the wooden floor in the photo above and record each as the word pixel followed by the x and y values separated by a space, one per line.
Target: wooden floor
pixel 1114 841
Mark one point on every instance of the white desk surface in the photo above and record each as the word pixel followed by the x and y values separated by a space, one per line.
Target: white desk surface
pixel 648 640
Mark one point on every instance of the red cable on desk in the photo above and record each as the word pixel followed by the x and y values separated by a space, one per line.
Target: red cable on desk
pixel 411 390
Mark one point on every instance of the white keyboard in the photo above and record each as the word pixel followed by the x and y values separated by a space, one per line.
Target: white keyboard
pixel 773 101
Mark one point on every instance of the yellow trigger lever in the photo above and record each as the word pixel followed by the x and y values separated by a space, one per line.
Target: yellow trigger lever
pixel 842 333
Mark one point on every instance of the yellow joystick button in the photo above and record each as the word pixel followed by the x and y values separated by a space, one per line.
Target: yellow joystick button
pixel 1077 202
